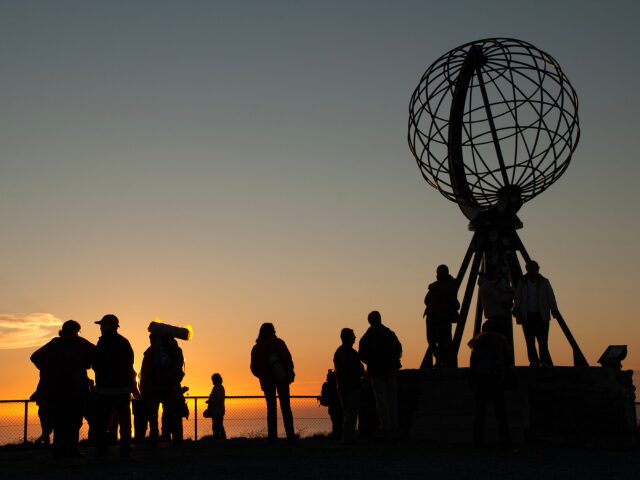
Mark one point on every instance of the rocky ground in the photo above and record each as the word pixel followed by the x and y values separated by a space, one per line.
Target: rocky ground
pixel 322 458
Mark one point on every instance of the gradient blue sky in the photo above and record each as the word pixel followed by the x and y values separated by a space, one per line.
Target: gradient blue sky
pixel 223 164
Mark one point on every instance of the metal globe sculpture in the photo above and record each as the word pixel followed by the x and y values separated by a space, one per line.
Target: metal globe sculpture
pixel 493 121
pixel 492 124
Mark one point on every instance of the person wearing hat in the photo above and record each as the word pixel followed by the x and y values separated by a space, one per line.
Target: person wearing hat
pixel 64 385
pixel 115 382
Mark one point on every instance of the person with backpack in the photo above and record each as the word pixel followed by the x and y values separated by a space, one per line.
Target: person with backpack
pixel 441 310
pixel 380 350
pixel 488 367
pixel 349 373
pixel 272 364
pixel 161 372
pixel 329 398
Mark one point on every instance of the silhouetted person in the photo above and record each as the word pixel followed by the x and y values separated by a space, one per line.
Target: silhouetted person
pixel 488 366
pixel 44 415
pixel 330 398
pixel 381 351
pixel 496 296
pixel 440 312
pixel 115 382
pixel 216 407
pixel 534 303
pixel 160 376
pixel 349 372
pixel 182 411
pixel 271 362
pixel 63 364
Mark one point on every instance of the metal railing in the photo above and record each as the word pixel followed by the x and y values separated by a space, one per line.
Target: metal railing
pixel 245 416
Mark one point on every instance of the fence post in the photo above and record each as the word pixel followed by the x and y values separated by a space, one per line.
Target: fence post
pixel 26 418
pixel 195 418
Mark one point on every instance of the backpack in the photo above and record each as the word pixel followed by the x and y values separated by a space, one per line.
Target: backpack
pixel 276 368
pixel 169 364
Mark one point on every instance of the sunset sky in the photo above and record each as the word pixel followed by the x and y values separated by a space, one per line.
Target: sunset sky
pixel 223 164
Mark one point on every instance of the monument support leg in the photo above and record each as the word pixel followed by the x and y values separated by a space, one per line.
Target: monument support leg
pixel 579 359
pixel 477 325
pixel 427 360
pixel 465 261
pixel 516 274
pixel 466 303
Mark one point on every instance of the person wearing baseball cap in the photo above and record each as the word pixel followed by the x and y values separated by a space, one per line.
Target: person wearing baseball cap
pixel 115 382
pixel 109 320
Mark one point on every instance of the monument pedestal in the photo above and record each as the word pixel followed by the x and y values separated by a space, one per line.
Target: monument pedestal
pixel 591 406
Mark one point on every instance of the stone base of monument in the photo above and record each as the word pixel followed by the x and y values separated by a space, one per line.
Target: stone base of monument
pixel 589 406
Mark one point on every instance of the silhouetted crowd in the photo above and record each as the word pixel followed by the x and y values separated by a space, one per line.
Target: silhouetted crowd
pixel 65 395
pixel 360 402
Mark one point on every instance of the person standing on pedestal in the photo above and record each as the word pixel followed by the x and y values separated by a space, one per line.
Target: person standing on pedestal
pixel 496 296
pixel 441 312
pixel 534 304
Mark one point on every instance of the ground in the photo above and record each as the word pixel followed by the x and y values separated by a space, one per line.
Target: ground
pixel 321 458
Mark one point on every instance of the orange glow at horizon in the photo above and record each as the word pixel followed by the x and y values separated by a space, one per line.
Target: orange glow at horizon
pixel 228 354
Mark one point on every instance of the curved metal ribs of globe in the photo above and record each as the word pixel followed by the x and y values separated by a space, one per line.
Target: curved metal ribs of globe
pixel 492 124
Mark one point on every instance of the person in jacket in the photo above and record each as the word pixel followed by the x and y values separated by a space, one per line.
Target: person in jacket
pixel 216 407
pixel 272 364
pixel 64 385
pixel 534 304
pixel 441 310
pixel 380 350
pixel 115 382
pixel 161 372
pixel 349 373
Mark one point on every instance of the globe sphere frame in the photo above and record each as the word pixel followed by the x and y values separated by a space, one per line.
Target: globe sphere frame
pixel 490 119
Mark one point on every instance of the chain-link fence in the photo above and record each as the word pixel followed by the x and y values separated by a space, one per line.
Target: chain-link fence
pixel 245 416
